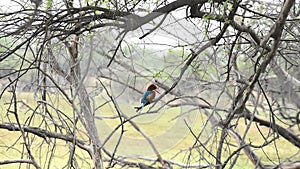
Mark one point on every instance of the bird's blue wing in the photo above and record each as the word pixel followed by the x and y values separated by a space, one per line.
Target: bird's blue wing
pixel 144 99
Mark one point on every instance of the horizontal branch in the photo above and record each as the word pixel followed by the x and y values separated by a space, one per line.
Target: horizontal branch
pixel 287 134
pixel 143 161
pixel 15 161
pixel 45 134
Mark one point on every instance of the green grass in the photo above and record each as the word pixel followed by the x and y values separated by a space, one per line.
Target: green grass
pixel 169 134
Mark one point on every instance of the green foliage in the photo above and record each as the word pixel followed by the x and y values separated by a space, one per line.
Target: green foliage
pixel 224 7
pixel 209 16
pixel 97 12
pixel 90 35
pixel 161 75
pixel 49 4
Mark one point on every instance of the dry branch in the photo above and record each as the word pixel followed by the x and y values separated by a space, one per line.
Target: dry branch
pixel 45 134
pixel 287 134
pixel 15 161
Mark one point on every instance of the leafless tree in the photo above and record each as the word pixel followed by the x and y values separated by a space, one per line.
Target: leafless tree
pixel 72 71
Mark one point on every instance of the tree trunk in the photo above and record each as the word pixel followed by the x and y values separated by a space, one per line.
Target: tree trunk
pixel 85 112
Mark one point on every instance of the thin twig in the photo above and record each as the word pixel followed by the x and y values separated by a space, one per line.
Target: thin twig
pixel 157 26
pixel 116 50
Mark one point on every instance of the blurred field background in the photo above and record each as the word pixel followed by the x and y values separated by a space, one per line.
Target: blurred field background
pixel 166 129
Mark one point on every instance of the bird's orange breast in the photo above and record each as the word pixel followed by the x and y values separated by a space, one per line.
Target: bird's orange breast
pixel 150 97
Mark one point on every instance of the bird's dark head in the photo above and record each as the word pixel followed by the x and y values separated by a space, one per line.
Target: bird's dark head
pixel 153 87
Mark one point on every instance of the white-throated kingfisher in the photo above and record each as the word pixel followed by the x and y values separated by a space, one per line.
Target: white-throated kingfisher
pixel 148 97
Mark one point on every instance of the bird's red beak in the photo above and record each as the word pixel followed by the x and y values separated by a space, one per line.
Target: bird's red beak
pixel 157 91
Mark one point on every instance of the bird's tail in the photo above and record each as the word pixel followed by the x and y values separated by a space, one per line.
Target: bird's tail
pixel 138 108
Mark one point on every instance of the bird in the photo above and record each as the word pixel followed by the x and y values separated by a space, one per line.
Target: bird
pixel 148 97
